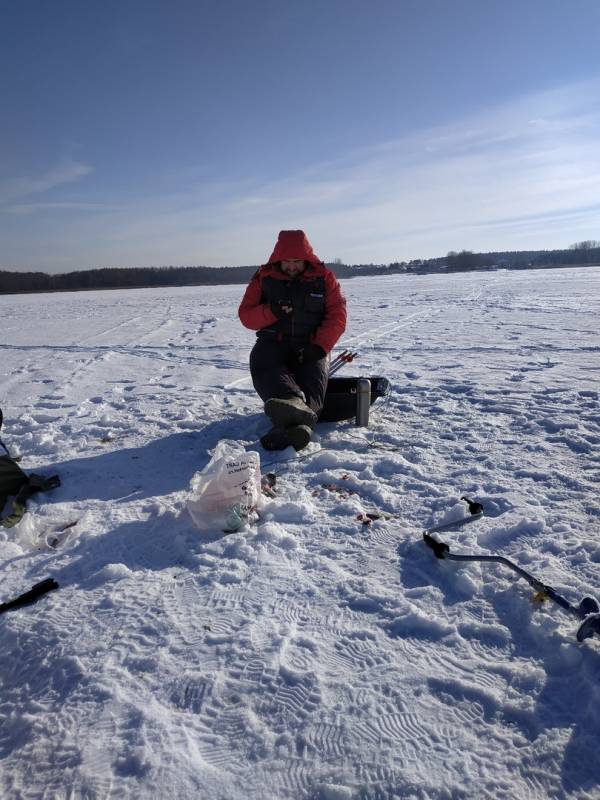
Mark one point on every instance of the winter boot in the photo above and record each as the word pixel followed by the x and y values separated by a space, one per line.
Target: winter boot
pixel 275 439
pixel 299 436
pixel 279 438
pixel 289 412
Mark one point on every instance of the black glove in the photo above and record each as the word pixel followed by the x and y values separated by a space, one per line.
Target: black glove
pixel 282 308
pixel 311 353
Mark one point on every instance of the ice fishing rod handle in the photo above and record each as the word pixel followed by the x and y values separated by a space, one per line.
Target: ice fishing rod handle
pixel 27 598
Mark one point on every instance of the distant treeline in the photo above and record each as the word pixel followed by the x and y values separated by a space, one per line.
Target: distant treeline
pixel 146 277
pixel 581 253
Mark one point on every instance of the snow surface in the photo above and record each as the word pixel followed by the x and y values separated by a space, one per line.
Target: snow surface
pixel 308 655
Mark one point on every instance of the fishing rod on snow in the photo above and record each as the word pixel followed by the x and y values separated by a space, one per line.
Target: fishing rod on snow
pixel 345 357
pixel 588 610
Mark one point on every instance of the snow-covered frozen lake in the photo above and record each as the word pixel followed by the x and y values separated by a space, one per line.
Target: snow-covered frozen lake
pixel 308 655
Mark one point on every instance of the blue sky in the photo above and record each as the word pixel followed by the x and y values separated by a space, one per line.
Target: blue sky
pixel 138 132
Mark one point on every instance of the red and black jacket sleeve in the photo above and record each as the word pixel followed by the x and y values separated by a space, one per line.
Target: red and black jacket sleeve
pixel 252 312
pixel 334 321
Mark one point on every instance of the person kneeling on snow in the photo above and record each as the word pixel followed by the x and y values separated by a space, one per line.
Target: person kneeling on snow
pixel 299 312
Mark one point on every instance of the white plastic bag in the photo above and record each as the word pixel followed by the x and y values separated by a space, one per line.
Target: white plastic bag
pixel 227 492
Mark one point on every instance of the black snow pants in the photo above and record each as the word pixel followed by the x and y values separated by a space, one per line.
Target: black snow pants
pixel 277 371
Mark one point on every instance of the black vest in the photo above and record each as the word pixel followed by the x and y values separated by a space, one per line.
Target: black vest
pixel 308 300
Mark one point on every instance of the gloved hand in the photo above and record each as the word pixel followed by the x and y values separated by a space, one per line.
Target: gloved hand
pixel 282 308
pixel 312 352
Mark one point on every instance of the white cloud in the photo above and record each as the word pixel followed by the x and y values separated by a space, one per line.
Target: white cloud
pixel 12 189
pixel 522 175
pixel 500 180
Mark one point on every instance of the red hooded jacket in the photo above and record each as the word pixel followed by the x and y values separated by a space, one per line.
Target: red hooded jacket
pixel 256 314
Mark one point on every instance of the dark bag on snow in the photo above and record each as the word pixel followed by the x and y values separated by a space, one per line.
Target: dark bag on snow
pixel 340 397
pixel 17 484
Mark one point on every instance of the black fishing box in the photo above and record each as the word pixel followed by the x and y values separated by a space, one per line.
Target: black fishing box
pixel 340 397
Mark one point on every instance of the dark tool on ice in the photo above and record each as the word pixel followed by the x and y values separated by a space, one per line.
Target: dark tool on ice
pixel 587 610
pixel 474 506
pixel 475 510
pixel 26 599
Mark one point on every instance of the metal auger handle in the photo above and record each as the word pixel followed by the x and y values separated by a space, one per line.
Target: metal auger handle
pixel 588 609
pixel 589 605
pixel 589 627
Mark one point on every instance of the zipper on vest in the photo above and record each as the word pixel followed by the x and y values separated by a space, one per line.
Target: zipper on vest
pixel 292 320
